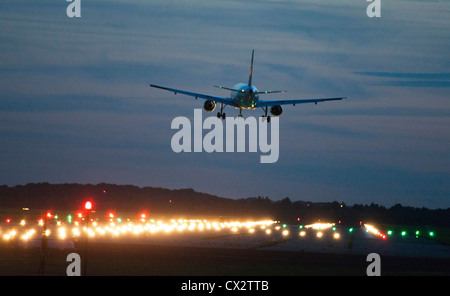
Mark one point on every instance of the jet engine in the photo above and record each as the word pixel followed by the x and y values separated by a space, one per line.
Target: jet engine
pixel 209 106
pixel 276 110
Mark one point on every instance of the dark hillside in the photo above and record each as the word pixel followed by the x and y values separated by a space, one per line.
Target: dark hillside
pixel 187 202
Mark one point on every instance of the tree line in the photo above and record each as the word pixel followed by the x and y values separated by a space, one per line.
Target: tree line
pixel 187 202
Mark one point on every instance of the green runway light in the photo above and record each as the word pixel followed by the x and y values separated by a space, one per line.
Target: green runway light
pixel 350 230
pixel 403 233
pixel 389 232
pixel 431 233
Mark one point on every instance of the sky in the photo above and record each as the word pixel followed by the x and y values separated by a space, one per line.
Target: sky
pixel 75 105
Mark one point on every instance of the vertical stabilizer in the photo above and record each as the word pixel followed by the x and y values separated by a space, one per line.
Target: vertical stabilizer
pixel 251 71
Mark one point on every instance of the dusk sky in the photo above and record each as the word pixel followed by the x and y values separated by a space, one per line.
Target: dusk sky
pixel 75 105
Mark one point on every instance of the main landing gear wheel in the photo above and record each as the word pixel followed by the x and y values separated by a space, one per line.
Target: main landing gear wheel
pixel 221 115
pixel 267 118
pixel 265 114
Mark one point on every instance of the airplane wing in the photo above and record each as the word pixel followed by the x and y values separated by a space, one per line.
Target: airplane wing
pixel 224 100
pixel 265 103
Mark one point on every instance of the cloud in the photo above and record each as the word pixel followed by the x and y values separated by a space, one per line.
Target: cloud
pixel 411 79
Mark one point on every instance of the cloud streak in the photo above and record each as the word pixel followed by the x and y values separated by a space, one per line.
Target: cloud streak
pixel 411 79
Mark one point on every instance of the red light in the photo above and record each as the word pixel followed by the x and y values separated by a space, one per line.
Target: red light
pixel 48 215
pixel 111 215
pixel 8 220
pixel 88 205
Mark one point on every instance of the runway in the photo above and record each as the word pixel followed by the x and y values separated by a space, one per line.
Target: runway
pixel 198 248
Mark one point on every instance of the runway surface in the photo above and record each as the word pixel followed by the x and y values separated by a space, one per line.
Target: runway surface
pixel 271 250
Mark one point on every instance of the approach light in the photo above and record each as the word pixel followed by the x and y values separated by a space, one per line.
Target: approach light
pixel 88 206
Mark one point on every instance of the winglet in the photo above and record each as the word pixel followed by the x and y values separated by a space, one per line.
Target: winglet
pixel 251 71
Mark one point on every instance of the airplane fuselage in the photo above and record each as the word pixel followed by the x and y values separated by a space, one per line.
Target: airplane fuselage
pixel 244 96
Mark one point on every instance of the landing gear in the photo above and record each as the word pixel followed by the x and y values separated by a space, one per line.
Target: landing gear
pixel 265 114
pixel 221 114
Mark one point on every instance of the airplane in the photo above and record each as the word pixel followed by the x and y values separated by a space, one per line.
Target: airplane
pixel 245 96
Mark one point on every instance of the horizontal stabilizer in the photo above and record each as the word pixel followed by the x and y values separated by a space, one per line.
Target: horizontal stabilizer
pixel 271 92
pixel 227 88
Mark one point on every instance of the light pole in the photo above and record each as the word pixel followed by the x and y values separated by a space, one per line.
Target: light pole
pixel 47 218
pixel 88 208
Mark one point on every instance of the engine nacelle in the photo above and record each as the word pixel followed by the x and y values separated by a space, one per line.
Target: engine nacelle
pixel 209 106
pixel 276 110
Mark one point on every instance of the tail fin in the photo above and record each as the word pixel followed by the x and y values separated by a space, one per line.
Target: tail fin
pixel 251 70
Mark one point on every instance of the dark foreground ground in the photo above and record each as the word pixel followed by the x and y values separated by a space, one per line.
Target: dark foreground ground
pixel 106 259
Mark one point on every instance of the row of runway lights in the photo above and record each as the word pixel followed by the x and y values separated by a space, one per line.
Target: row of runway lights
pixel 179 226
pixel 153 227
